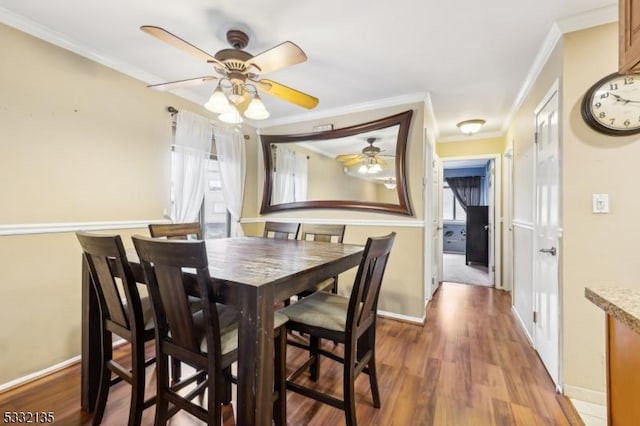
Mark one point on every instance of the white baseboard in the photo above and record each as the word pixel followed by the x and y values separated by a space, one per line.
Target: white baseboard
pixel 406 318
pixel 588 395
pixel 524 328
pixel 4 387
pixel 38 374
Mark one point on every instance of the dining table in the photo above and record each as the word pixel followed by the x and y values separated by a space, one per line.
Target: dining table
pixel 252 274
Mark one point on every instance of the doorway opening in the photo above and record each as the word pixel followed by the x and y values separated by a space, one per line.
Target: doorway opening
pixel 468 220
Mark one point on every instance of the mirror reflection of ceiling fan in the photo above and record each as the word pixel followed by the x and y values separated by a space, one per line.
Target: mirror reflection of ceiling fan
pixel 369 160
pixel 239 75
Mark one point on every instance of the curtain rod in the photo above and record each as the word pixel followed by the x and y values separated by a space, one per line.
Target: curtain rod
pixel 173 111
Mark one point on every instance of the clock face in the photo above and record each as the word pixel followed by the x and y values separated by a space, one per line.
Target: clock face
pixel 612 105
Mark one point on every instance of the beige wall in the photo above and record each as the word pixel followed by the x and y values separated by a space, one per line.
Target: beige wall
pixel 403 289
pixel 471 147
pixel 599 250
pixel 80 143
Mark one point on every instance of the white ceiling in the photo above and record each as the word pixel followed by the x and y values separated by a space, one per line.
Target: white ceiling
pixel 472 57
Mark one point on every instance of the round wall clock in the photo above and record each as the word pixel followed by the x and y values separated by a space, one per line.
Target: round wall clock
pixel 612 105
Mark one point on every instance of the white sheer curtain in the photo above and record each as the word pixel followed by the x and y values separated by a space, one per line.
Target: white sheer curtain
pixel 230 148
pixel 191 153
pixel 283 176
pixel 300 171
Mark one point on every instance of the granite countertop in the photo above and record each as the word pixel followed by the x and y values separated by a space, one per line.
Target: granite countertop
pixel 621 303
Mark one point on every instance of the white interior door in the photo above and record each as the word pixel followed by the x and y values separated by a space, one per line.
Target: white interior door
pixel 436 224
pixel 507 209
pixel 491 225
pixel 433 222
pixel 547 236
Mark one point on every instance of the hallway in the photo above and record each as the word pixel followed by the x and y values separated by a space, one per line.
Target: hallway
pixel 469 365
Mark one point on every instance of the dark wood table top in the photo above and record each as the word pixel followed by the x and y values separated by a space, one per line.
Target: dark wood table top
pixel 259 261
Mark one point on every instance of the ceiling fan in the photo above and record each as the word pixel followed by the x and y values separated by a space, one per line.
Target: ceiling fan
pixel 239 75
pixel 369 159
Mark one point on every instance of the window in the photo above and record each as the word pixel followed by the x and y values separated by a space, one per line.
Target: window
pixel 451 207
pixel 214 216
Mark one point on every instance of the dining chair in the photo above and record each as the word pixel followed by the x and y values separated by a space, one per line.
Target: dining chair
pixel 207 340
pixel 325 233
pixel 123 313
pixel 350 321
pixel 175 231
pixel 281 231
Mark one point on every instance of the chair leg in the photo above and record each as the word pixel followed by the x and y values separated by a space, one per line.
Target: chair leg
pixel 280 404
pixel 214 405
pixel 105 377
pixel 162 404
pixel 314 368
pixel 137 382
pixel 227 394
pixel 348 384
pixel 367 343
pixel 373 380
pixel 176 370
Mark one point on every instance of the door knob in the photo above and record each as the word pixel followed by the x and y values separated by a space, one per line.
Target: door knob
pixel 551 251
pixel 486 227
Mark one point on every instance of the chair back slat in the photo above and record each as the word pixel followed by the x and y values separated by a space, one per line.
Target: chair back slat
pixel 163 262
pixel 281 231
pixel 176 231
pixel 326 233
pixel 106 259
pixel 363 302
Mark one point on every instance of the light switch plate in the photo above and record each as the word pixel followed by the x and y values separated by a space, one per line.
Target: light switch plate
pixel 600 203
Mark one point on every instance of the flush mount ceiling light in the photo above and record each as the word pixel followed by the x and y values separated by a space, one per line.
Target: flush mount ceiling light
pixel 469 127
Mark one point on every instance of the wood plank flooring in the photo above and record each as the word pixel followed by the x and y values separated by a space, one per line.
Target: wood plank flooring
pixel 469 365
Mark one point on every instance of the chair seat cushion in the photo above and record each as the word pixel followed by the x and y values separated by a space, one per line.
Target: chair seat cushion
pixel 228 317
pixel 320 309
pixel 147 309
pixel 325 285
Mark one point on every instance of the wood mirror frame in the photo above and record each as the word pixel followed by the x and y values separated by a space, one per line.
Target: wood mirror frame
pixel 402 120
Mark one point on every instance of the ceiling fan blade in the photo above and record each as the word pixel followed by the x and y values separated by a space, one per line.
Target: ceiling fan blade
pixel 352 162
pixel 178 84
pixel 175 41
pixel 287 93
pixel 344 157
pixel 381 161
pixel 280 56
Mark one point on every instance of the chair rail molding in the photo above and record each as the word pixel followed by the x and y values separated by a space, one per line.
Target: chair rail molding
pixel 409 223
pixel 52 228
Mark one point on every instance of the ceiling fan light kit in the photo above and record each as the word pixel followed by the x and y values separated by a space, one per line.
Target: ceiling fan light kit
pixel 240 71
pixel 256 109
pixel 469 127
pixel 390 183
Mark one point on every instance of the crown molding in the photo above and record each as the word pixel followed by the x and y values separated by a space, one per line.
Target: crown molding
pixel 41 32
pixel 348 109
pixel 592 18
pixel 588 19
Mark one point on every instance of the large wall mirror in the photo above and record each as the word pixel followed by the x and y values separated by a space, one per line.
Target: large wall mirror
pixel 358 167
